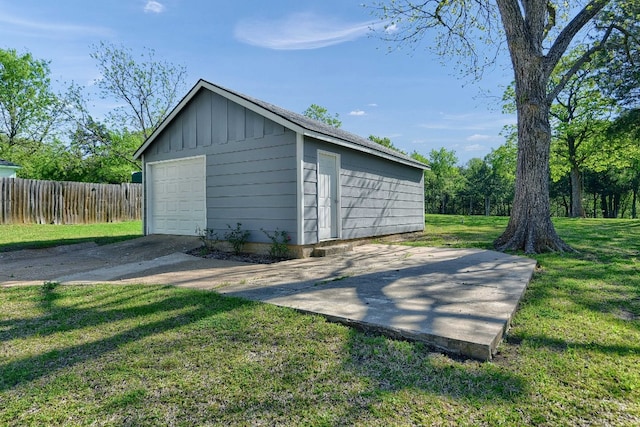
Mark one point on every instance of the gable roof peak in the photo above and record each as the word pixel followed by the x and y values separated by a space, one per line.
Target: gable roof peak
pixel 291 120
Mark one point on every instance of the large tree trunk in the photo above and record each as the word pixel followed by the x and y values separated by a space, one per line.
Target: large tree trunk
pixel 530 228
pixel 525 23
pixel 604 205
pixel 577 210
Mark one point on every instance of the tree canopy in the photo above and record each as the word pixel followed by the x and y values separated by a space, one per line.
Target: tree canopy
pixel 385 142
pixel 57 137
pixel 148 87
pixel 316 112
pixel 28 106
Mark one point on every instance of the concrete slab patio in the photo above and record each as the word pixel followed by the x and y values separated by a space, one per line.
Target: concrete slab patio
pixel 459 300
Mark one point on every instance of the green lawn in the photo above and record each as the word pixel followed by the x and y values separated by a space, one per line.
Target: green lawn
pixel 148 355
pixel 23 236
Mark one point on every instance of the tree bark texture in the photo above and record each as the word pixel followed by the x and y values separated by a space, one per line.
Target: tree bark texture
pixel 577 209
pixel 530 228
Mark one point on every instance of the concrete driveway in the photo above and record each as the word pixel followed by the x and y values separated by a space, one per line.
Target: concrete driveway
pixel 459 300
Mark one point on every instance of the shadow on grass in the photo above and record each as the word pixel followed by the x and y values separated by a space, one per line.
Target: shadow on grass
pixel 397 365
pixel 390 376
pixel 560 345
pixel 297 374
pixel 41 244
pixel 583 284
pixel 58 319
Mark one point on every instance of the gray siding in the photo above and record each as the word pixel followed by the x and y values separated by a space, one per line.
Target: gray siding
pixel 251 164
pixel 378 196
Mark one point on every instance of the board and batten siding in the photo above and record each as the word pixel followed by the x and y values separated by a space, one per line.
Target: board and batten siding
pixel 250 166
pixel 377 196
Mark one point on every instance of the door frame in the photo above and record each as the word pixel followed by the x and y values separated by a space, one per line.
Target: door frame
pixel 336 206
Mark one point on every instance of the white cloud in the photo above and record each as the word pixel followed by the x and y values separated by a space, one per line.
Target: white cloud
pixel 373 104
pixel 153 6
pixel 478 137
pixel 475 147
pixel 49 29
pixel 300 31
pixel 357 113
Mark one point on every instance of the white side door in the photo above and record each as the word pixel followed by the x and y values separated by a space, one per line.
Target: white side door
pixel 328 196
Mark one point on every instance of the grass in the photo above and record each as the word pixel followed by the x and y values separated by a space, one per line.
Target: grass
pixel 29 236
pixel 147 355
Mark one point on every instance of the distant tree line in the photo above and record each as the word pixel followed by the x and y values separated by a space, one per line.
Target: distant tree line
pixel 595 160
pixel 485 186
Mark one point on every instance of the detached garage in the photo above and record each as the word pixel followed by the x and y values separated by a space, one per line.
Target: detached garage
pixel 221 158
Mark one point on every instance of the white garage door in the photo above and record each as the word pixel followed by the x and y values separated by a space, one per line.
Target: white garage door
pixel 176 192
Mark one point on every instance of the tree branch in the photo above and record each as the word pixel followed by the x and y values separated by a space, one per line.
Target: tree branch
pixel 565 37
pixel 586 57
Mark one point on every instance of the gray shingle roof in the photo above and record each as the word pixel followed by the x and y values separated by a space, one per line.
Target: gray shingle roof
pixel 323 128
pixel 8 163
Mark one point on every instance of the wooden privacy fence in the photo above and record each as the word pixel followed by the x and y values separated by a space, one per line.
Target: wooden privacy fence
pixel 30 201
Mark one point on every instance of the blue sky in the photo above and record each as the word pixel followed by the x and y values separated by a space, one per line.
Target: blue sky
pixel 290 53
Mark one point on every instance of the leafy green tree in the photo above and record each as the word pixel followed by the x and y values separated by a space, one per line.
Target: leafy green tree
pixel 579 117
pixel 107 154
pixel 54 161
pixel 626 131
pixel 559 191
pixel 620 63
pixel 503 161
pixel 321 114
pixel 489 182
pixel 537 38
pixel 442 181
pixel 29 109
pixel 611 185
pixel 385 142
pixel 479 185
pixel 148 88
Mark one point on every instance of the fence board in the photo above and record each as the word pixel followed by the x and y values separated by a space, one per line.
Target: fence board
pixel 30 201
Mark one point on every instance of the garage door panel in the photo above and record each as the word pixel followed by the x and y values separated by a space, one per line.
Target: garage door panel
pixel 177 199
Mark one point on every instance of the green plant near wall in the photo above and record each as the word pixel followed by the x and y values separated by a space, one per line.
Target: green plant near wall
pixel 237 237
pixel 208 237
pixel 279 243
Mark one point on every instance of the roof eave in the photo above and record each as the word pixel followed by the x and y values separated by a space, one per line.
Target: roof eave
pixel 358 147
